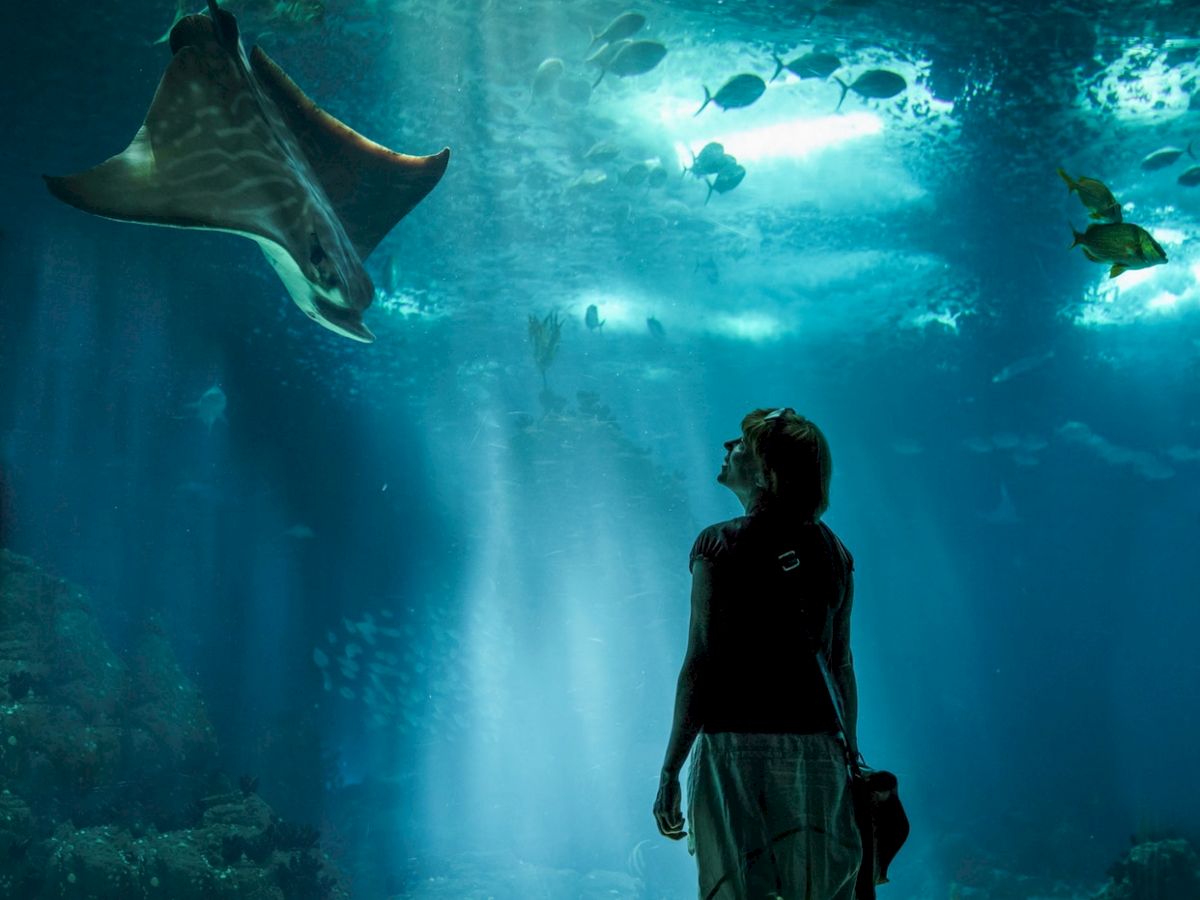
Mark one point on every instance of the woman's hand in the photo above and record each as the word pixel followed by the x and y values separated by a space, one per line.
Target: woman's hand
pixel 668 811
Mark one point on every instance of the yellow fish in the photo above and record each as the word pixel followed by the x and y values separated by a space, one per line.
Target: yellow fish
pixel 1098 199
pixel 1125 245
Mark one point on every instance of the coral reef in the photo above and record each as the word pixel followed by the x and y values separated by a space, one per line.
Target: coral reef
pixel 110 790
pixel 1165 869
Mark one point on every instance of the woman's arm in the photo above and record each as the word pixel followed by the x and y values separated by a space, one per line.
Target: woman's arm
pixel 841 667
pixel 668 806
pixel 686 723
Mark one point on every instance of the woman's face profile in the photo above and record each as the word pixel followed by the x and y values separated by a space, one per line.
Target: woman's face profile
pixel 740 468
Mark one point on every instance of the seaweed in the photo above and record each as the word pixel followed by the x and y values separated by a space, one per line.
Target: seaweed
pixel 301 878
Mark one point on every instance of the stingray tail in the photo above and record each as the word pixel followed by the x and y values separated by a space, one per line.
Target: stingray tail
pixel 603 72
pixel 225 26
pixel 710 192
pixel 845 88
pixel 707 100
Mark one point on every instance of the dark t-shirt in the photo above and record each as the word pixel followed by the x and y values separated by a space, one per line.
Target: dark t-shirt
pixel 760 673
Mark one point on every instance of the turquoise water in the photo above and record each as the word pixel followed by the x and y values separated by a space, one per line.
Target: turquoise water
pixel 433 595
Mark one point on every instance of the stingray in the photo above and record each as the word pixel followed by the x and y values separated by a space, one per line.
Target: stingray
pixel 230 143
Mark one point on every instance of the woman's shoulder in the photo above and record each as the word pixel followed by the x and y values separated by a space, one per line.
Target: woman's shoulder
pixel 839 547
pixel 717 540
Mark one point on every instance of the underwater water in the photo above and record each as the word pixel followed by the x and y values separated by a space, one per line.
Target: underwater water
pixel 404 619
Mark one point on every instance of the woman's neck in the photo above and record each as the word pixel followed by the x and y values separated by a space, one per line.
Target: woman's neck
pixel 755 501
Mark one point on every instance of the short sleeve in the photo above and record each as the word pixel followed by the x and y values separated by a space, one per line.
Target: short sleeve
pixel 842 550
pixel 709 545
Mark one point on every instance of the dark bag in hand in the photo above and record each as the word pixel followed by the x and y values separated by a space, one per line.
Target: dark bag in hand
pixel 881 822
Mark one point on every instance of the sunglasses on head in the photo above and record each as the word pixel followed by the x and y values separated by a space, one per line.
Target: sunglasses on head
pixel 776 413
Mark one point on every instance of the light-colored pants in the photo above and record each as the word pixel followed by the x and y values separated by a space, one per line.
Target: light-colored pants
pixel 770 817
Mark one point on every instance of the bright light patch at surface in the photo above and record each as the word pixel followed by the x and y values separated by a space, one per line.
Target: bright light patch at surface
pixel 1142 85
pixel 1133 278
pixel 1140 294
pixel 1168 236
pixel 795 138
pixel 1164 300
pixel 678 111
pixel 1095 316
pixel 750 327
pixel 615 311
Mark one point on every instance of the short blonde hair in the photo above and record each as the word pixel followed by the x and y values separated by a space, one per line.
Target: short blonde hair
pixel 795 459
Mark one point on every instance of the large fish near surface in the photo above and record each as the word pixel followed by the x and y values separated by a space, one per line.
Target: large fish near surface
pixel 632 58
pixel 709 161
pixel 876 84
pixel 1163 157
pixel 230 143
pixel 1125 245
pixel 727 179
pixel 738 91
pixel 1190 177
pixel 810 65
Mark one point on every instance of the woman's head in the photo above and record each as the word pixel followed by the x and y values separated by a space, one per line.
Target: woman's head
pixel 793 460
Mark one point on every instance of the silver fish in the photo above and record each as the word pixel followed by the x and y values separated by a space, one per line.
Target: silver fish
pixel 1190 177
pixel 1021 366
pixel 1162 158
pixel 602 152
pixel 546 78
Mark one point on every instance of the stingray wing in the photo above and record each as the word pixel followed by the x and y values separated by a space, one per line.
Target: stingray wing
pixel 370 187
pixel 206 155
pixel 210 154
